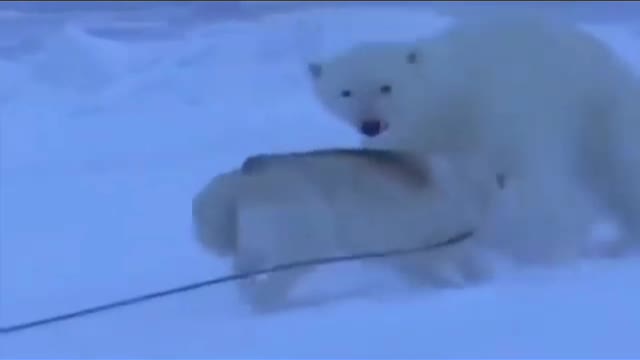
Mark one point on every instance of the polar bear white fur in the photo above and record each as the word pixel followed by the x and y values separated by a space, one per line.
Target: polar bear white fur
pixel 547 104
pixel 343 202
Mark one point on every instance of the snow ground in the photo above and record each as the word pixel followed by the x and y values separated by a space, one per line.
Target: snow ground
pixel 104 138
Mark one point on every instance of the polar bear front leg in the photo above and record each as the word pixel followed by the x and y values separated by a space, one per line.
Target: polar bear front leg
pixel 617 183
pixel 551 219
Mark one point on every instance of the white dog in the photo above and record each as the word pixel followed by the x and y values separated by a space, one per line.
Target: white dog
pixel 339 202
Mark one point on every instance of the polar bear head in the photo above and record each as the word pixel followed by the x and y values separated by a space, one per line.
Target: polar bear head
pixel 368 86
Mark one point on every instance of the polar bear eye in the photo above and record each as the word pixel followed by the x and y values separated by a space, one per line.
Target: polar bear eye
pixel 385 89
pixel 345 93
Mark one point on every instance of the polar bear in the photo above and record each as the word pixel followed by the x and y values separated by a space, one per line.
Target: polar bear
pixel 547 104
pixel 342 202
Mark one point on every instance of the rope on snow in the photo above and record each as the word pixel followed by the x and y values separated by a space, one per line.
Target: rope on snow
pixel 229 278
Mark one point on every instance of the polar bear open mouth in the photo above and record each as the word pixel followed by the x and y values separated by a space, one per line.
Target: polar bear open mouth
pixel 373 127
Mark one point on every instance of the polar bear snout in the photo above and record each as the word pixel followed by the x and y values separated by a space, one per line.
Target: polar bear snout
pixel 372 127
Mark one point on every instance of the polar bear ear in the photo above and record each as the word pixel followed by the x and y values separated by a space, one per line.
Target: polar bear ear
pixel 412 57
pixel 315 70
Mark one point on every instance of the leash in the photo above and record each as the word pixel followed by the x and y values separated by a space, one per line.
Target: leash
pixel 226 279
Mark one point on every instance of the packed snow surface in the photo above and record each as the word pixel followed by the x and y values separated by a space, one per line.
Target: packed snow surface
pixel 110 122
